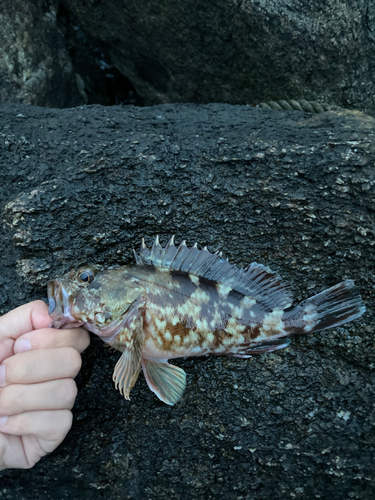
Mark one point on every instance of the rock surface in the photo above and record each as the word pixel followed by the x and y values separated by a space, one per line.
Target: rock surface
pixel 238 51
pixel 69 52
pixel 290 190
pixel 35 66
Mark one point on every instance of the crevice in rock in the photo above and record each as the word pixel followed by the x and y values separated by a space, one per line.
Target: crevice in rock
pixel 98 80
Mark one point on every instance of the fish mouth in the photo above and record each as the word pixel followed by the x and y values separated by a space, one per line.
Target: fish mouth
pixel 59 307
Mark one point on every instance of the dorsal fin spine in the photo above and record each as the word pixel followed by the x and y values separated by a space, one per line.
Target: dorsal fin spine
pixel 156 252
pixel 194 259
pixel 180 250
pixel 138 258
pixel 169 250
pixel 154 247
pixel 171 241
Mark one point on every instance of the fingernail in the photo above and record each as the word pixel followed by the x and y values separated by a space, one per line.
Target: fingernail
pixel 3 420
pixel 2 375
pixel 22 345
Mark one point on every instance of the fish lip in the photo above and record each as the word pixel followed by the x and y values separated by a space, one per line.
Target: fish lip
pixel 59 306
pixel 56 306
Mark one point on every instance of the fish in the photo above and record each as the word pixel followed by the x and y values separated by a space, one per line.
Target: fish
pixel 176 301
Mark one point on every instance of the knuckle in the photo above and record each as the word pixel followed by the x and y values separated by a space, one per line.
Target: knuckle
pixel 75 361
pixel 29 464
pixel 80 339
pixel 59 424
pixel 85 339
pixel 70 393
pixel 39 304
pixel 66 422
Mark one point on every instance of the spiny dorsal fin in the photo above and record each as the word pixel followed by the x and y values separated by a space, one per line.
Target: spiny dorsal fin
pixel 256 280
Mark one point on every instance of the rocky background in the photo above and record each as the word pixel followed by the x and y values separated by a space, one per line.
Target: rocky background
pixel 291 190
pixel 69 52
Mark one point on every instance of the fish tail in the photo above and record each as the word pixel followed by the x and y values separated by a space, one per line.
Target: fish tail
pixel 333 307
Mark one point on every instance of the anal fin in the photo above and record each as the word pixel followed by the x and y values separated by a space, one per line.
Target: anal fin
pixel 167 381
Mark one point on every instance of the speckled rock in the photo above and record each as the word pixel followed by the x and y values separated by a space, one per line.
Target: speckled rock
pixel 292 191
pixel 35 65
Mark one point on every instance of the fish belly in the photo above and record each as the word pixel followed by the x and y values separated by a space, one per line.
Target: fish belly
pixel 176 341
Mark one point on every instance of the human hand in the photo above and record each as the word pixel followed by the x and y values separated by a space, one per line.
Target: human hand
pixel 37 390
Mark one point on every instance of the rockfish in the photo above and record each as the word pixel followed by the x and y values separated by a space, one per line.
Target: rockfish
pixel 178 301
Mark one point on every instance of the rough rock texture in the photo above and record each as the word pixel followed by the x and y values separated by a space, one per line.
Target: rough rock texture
pixel 238 51
pixel 293 191
pixel 35 66
pixel 62 53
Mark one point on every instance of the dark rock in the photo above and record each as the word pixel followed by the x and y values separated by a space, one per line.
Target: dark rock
pixel 102 83
pixel 35 67
pixel 239 52
pixel 293 191
pixel 62 54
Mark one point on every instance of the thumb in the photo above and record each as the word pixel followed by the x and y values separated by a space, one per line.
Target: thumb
pixel 23 319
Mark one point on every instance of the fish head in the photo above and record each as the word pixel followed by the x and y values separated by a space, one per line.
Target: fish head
pixel 93 298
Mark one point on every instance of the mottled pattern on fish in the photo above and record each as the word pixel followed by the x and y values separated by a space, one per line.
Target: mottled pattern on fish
pixel 177 302
pixel 186 315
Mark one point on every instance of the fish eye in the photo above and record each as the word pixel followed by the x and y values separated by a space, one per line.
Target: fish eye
pixel 86 276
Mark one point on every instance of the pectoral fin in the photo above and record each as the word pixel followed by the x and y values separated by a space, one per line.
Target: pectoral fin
pixel 129 365
pixel 167 381
pixel 126 372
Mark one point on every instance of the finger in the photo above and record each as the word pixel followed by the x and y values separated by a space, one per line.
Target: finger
pixel 6 348
pixel 49 338
pixel 43 365
pixel 12 454
pixel 52 395
pixel 49 426
pixel 23 319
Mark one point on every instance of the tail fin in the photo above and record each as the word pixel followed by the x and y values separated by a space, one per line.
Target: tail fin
pixel 335 306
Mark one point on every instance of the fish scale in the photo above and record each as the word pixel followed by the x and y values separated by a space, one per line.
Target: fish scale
pixel 179 301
